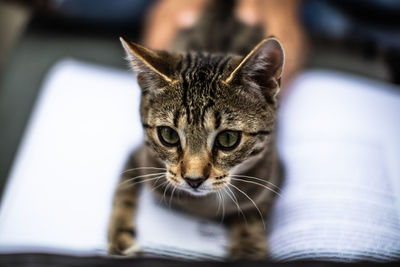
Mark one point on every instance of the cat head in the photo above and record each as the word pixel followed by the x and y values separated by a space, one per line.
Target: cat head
pixel 206 115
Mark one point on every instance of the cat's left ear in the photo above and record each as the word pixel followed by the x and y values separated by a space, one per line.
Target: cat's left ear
pixel 150 64
pixel 263 67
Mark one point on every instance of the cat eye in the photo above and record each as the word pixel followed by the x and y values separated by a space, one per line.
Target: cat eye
pixel 168 136
pixel 228 140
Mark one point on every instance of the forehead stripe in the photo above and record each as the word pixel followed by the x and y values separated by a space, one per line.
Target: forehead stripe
pixel 217 116
pixel 176 117
pixel 185 83
pixel 221 63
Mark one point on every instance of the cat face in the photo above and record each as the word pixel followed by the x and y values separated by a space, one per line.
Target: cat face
pixel 207 115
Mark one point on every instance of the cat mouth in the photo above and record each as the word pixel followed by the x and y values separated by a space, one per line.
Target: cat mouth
pixel 197 191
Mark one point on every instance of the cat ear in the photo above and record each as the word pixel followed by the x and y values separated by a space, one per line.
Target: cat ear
pixel 150 63
pixel 262 66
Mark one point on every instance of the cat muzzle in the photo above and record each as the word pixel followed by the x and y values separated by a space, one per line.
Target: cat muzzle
pixel 194 182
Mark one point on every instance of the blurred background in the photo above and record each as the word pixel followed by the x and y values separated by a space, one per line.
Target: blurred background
pixel 359 36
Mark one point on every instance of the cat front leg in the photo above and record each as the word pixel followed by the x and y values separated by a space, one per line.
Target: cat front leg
pixel 122 230
pixel 247 239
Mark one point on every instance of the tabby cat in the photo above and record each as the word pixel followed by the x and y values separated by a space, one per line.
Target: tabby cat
pixel 209 123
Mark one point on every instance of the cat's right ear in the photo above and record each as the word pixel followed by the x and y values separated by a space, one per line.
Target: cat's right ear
pixel 263 67
pixel 151 65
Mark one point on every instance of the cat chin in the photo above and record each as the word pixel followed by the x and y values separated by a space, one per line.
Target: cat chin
pixel 197 192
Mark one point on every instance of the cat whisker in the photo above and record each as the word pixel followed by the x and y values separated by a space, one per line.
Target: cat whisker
pixel 165 191
pixel 256 178
pixel 179 195
pixel 162 184
pixel 252 201
pixel 234 199
pixel 219 201
pixel 256 183
pixel 172 195
pixel 143 181
pixel 143 168
pixel 156 181
pixel 139 177
pixel 223 206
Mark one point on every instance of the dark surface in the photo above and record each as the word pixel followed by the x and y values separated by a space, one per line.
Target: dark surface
pixel 27 260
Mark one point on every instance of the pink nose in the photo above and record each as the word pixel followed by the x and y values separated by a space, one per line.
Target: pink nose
pixel 194 182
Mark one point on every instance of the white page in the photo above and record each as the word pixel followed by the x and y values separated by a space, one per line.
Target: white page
pixel 164 231
pixel 339 140
pixel 84 124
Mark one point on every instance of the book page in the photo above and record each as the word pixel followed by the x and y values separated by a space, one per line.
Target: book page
pixel 59 192
pixel 341 195
pixel 345 211
pixel 163 231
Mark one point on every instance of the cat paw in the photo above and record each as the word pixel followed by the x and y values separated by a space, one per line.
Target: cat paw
pixel 248 251
pixel 133 250
pixel 123 245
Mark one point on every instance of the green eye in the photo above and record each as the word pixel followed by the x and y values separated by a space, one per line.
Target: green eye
pixel 228 140
pixel 168 136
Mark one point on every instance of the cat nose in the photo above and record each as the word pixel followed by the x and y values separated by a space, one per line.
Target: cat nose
pixel 194 182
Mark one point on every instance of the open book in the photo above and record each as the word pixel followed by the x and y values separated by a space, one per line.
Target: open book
pixel 338 137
